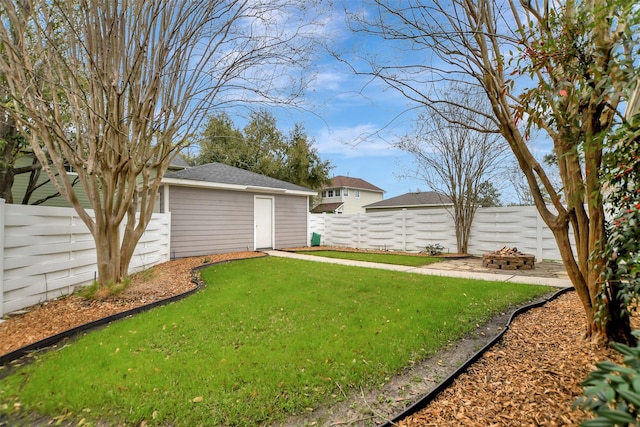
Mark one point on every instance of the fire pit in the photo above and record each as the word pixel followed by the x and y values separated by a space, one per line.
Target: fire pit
pixel 508 259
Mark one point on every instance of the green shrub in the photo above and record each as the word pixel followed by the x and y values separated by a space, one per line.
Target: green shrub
pixel 612 391
pixel 434 249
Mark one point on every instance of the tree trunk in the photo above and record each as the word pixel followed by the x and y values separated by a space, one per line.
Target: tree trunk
pixel 8 134
pixel 107 237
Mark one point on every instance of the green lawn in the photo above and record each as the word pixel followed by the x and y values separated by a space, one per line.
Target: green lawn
pixel 398 259
pixel 267 338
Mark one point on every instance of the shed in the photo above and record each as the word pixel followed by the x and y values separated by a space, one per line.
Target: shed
pixel 217 208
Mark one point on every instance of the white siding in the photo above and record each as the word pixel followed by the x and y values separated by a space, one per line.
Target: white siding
pixel 354 205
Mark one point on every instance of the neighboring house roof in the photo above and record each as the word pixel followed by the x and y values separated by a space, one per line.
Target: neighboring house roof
pixel 326 207
pixel 346 181
pixel 178 162
pixel 217 175
pixel 421 198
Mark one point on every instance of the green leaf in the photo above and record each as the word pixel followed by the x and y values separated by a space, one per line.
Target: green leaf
pixel 631 397
pixel 617 417
pixel 598 422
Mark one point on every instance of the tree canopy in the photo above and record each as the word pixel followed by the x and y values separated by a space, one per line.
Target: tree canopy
pixel 262 148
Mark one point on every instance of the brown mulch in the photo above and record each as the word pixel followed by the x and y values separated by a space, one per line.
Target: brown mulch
pixel 532 377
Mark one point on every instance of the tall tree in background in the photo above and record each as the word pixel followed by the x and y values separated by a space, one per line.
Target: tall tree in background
pixel 264 145
pixel 565 67
pixel 117 100
pixel 455 159
pixel 304 165
pixel 262 148
pixel 488 195
pixel 220 142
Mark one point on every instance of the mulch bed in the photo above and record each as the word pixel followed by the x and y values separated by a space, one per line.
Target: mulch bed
pixel 531 377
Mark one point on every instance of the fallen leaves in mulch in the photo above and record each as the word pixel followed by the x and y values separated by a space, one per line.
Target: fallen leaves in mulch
pixel 49 318
pixel 531 377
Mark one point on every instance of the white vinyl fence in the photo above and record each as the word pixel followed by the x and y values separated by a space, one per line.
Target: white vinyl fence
pixel 412 230
pixel 48 251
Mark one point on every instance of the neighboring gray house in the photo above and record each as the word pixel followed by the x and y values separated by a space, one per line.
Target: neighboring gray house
pixel 417 200
pixel 217 208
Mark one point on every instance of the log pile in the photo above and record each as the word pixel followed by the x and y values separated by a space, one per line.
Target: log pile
pixel 507 258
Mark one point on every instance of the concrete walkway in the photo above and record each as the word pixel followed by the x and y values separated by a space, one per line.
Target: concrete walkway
pixel 549 275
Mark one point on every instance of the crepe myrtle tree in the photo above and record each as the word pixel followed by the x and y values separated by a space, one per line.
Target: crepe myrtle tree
pixel 568 69
pixel 113 89
pixel 454 159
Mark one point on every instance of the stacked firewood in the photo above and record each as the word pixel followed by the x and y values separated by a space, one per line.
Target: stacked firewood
pixel 505 250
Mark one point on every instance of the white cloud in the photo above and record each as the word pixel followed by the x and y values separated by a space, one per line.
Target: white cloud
pixel 328 81
pixel 357 141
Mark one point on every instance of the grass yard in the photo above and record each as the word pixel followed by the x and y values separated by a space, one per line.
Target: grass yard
pixel 391 258
pixel 267 338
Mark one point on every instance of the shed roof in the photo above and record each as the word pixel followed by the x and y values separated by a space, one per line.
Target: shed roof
pixel 421 198
pixel 223 176
pixel 357 183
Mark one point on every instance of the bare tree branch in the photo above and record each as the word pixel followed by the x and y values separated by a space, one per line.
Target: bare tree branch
pixel 115 89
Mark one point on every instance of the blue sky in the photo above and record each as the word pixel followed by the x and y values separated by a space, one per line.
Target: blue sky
pixel 353 120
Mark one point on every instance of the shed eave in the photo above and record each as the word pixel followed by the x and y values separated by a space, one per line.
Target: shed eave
pixel 234 187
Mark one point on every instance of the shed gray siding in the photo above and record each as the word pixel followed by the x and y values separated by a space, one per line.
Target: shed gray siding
pixel 291 221
pixel 205 221
pixel 209 221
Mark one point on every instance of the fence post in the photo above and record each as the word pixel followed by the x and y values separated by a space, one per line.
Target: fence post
pixel 539 239
pixel 324 227
pixel 404 229
pixel 2 210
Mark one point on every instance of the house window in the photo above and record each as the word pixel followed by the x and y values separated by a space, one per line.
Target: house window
pixel 357 193
pixel 70 170
pixel 345 192
pixel 324 194
pixel 330 193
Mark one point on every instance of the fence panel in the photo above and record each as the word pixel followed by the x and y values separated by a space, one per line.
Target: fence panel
pixel 382 230
pixel 48 251
pixel 429 227
pixel 413 230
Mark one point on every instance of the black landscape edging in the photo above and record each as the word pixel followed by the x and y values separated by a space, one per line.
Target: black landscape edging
pixel 54 339
pixel 425 400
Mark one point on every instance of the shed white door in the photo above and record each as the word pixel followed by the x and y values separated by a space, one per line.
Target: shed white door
pixel 263 218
